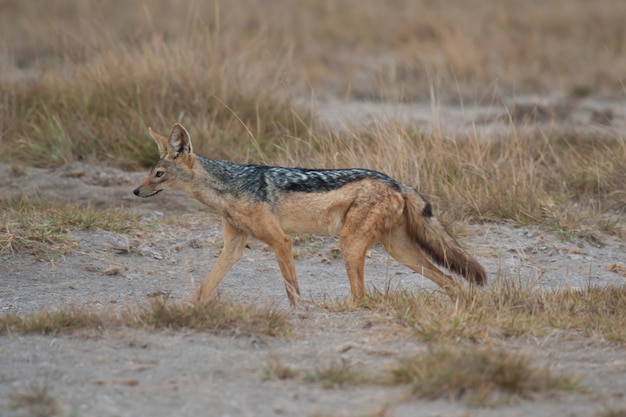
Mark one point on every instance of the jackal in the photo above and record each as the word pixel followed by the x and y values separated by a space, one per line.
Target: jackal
pixel 363 207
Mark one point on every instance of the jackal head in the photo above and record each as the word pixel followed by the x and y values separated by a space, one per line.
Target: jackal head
pixel 174 167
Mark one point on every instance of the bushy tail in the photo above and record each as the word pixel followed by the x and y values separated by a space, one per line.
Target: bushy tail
pixel 435 240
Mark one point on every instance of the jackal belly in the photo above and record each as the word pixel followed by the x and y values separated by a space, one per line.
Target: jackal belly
pixel 317 213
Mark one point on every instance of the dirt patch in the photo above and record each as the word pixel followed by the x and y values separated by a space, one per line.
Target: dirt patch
pixel 135 372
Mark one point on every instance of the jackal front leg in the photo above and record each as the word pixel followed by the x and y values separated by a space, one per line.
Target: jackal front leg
pixel 284 256
pixel 267 229
pixel 234 244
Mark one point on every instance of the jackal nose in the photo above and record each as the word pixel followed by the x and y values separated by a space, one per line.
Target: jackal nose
pixel 136 191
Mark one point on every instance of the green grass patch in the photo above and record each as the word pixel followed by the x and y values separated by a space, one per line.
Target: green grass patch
pixel 43 227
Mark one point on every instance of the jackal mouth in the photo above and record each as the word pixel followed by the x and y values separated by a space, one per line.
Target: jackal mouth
pixel 137 192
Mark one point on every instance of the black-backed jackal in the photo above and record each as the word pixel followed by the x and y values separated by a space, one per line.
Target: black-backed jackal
pixel 363 207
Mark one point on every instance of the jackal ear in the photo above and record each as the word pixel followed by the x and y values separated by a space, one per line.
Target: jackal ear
pixel 179 141
pixel 160 140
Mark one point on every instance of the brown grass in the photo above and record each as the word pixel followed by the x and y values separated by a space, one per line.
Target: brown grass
pixel 35 401
pixel 216 316
pixel 478 374
pixel 507 309
pixel 338 374
pixel 276 370
pixel 83 80
pixel 91 92
pixel 482 376
pixel 363 48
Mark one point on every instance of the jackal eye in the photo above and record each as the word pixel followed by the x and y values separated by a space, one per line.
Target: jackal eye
pixel 159 174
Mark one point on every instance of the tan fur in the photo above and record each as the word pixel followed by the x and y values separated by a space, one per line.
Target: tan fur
pixel 362 213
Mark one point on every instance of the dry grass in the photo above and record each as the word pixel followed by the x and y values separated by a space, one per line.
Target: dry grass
pixel 35 401
pixel 216 316
pixel 363 48
pixel 43 227
pixel 91 91
pixel 482 376
pixel 276 370
pixel 507 309
pixel 83 79
pixel 338 374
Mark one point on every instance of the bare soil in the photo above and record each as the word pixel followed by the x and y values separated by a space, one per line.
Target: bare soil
pixel 186 373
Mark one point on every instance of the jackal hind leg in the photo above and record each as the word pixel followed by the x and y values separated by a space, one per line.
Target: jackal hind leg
pixel 234 244
pixel 402 248
pixel 267 229
pixel 362 226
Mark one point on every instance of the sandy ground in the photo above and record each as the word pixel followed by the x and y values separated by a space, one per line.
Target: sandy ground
pixel 184 373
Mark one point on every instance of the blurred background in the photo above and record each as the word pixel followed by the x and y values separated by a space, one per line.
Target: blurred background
pixel 90 76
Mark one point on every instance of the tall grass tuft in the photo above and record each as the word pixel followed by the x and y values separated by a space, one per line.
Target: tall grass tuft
pixel 482 376
pixel 35 401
